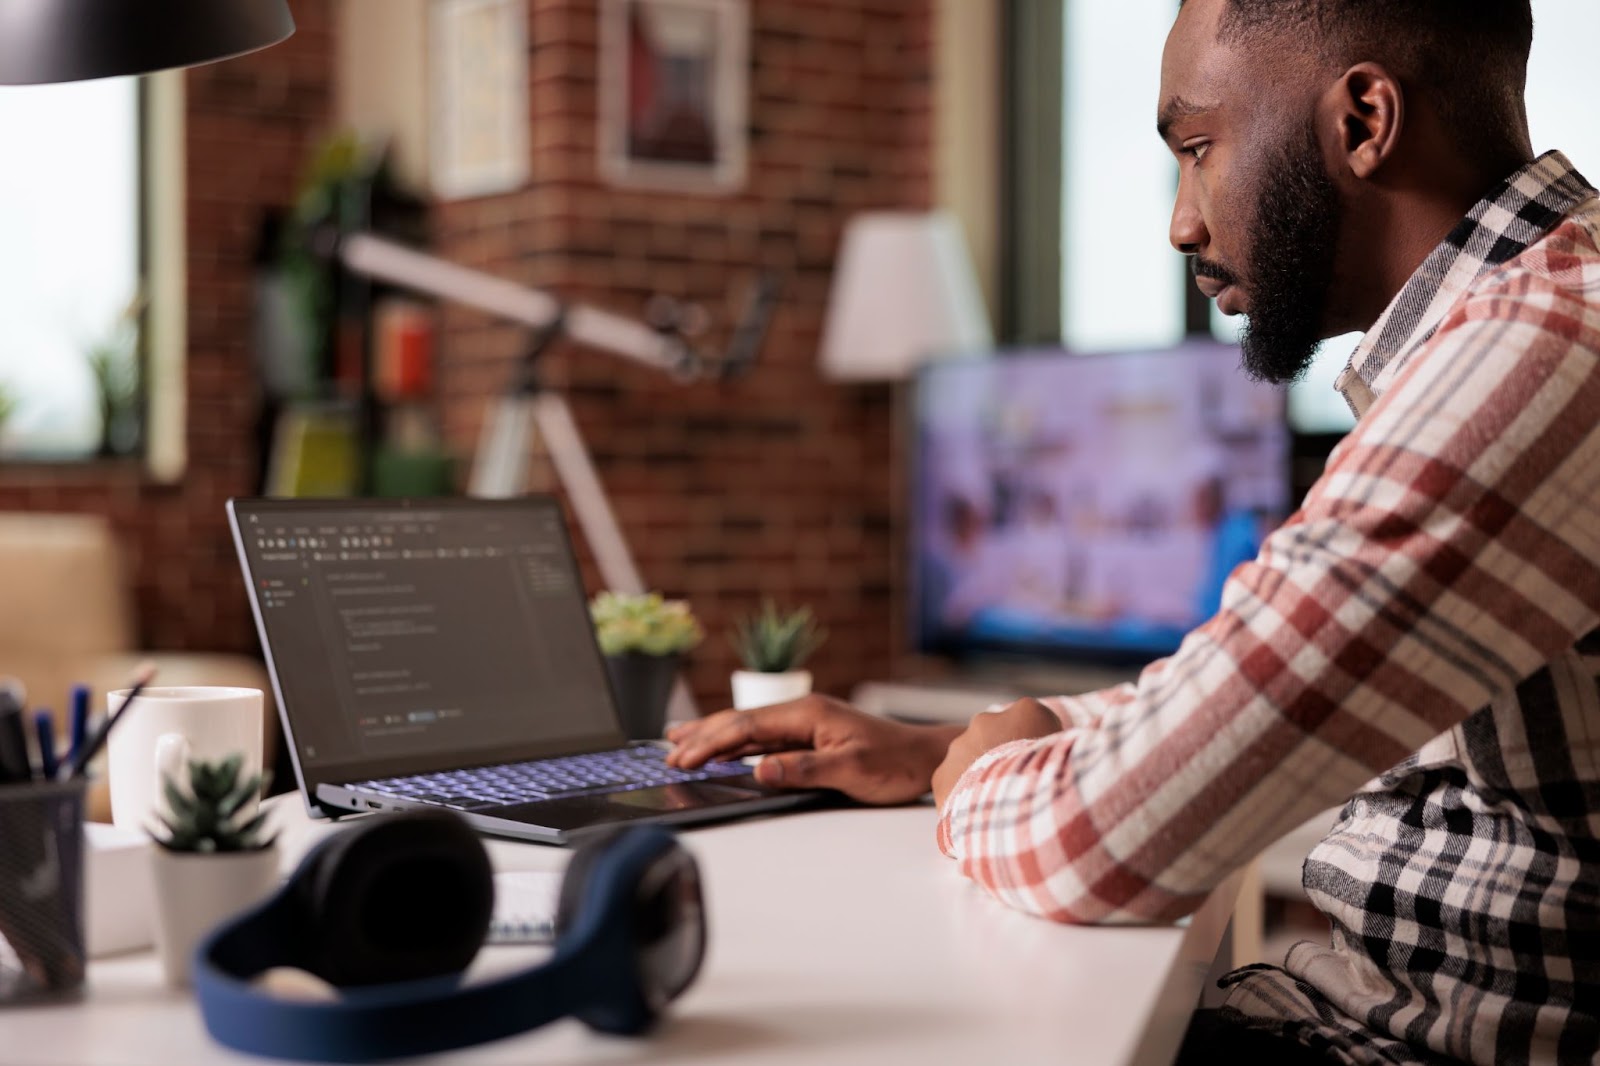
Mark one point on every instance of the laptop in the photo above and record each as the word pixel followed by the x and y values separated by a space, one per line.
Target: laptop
pixel 439 653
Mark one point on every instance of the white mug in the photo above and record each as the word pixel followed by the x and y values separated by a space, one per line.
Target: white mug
pixel 167 727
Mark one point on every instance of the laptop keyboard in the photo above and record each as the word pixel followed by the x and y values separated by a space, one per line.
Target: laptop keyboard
pixel 508 784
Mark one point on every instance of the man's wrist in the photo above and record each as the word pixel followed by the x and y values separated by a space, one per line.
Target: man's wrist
pixel 936 741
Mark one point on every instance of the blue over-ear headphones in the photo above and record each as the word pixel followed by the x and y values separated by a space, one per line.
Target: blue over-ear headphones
pixel 393 910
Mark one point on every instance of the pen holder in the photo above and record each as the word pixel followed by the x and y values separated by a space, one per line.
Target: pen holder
pixel 41 890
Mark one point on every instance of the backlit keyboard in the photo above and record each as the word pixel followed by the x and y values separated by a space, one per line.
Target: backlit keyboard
pixel 509 784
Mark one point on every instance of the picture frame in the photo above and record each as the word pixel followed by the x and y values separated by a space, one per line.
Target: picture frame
pixel 674 94
pixel 479 129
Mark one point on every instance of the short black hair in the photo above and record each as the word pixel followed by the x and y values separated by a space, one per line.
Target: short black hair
pixel 1469 56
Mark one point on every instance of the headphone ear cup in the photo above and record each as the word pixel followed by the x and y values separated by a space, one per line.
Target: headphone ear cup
pixel 576 880
pixel 310 880
pixel 397 898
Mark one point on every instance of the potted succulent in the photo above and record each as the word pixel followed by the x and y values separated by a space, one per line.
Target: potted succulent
pixel 212 861
pixel 773 645
pixel 643 639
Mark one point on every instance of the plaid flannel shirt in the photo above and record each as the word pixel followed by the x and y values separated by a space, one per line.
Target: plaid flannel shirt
pixel 1431 616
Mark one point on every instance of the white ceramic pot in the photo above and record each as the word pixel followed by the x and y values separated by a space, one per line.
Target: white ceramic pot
pixel 753 689
pixel 195 891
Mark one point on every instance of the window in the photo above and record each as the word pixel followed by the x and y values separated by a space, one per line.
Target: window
pixel 70 263
pixel 1121 285
pixel 1563 81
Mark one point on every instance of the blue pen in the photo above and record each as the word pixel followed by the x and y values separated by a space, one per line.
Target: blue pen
pixel 78 723
pixel 44 729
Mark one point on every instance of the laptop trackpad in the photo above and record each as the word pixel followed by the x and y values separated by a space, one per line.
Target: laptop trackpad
pixel 580 811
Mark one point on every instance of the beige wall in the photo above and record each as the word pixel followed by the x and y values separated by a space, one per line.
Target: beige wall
pixel 966 176
pixel 381 83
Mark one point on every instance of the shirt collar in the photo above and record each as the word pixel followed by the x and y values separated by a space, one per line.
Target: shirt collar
pixel 1499 227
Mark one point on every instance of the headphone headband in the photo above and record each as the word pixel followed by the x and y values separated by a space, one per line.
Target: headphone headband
pixel 594 972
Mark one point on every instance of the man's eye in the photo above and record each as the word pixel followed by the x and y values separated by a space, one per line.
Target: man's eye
pixel 1197 152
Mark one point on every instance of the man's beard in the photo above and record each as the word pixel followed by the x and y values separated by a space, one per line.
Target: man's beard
pixel 1289 263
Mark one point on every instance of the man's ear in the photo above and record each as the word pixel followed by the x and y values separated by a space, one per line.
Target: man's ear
pixel 1368 108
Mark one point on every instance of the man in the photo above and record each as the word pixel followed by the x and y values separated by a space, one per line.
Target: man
pixel 1423 636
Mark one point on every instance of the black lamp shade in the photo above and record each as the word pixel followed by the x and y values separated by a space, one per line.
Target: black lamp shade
pixel 74 40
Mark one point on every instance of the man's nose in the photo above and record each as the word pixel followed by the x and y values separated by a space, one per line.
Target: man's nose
pixel 1188 231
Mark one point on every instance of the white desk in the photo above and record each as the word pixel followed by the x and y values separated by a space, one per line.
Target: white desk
pixel 839 937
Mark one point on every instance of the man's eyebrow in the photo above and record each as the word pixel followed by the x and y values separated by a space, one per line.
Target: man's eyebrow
pixel 1176 108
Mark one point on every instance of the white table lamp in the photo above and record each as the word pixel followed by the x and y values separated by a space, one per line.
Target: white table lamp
pixel 903 291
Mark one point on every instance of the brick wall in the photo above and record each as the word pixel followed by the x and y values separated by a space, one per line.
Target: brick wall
pixel 250 124
pixel 776 484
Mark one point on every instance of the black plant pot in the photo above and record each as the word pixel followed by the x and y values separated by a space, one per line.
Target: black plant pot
pixel 643 687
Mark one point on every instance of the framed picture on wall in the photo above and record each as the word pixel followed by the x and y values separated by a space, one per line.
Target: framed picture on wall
pixel 674 93
pixel 479 135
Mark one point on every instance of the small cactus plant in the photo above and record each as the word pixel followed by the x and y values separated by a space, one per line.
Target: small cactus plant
pixel 205 818
pixel 772 641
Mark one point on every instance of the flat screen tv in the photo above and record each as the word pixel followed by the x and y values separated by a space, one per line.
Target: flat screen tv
pixel 1088 506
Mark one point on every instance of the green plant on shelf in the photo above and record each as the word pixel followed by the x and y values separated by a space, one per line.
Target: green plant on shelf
pixel 645 624
pixel 774 641
pixel 207 817
pixel 327 194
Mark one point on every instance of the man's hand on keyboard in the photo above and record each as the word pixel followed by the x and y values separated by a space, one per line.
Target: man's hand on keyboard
pixel 819 742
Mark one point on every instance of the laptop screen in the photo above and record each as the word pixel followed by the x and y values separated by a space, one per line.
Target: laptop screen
pixel 412 636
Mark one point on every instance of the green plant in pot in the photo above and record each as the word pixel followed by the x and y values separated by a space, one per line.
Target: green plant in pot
pixel 114 365
pixel 8 407
pixel 774 644
pixel 643 639
pixel 212 860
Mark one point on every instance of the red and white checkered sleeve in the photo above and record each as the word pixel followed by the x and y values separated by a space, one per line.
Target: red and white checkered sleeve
pixel 1448 551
